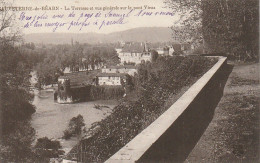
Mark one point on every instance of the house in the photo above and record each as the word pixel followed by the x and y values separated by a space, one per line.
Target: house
pixel 112 79
pixel 167 50
pixel 135 53
pixel 118 50
pixel 183 47
pixel 114 75
pixel 128 69
pixel 160 51
pixel 179 48
pixel 73 87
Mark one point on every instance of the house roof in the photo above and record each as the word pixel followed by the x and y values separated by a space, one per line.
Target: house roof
pixel 78 79
pixel 135 47
pixel 177 47
pixel 112 74
pixel 122 66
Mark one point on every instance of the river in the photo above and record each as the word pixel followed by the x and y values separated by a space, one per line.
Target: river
pixel 51 118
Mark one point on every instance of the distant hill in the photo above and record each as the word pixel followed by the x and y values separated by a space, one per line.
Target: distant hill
pixel 149 34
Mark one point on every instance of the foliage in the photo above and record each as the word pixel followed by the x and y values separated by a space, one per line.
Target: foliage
pixel 67 134
pixel 189 27
pixel 16 108
pixel 232 27
pixel 46 149
pixel 9 30
pixel 106 93
pixel 16 145
pixel 76 57
pixel 48 71
pixel 154 55
pixel 46 143
pixel 154 84
pixel 16 63
pixel 224 26
pixel 128 85
pixel 74 127
pixel 92 92
pixel 32 54
pixel 15 98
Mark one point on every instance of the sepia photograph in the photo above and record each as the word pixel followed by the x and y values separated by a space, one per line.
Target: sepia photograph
pixel 125 81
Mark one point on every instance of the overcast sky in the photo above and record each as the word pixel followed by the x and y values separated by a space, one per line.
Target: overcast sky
pixel 132 22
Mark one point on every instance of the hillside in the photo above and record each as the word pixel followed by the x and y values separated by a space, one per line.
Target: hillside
pixel 150 34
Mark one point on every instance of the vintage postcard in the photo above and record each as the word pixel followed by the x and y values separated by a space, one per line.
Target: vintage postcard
pixel 129 81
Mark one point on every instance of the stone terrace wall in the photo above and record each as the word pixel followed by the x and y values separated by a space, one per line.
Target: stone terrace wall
pixel 172 136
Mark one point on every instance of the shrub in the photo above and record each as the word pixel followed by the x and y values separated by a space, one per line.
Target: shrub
pixel 46 149
pixel 74 127
pixel 106 93
pixel 67 134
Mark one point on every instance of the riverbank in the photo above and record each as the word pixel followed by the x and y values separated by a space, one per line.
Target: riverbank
pixel 51 118
pixel 233 134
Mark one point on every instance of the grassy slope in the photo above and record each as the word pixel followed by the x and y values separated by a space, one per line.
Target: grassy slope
pixel 233 134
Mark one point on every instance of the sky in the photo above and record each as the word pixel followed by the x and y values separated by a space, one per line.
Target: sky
pixel 157 18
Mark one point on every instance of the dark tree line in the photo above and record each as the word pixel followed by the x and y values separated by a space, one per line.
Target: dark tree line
pixel 16 132
pixel 16 63
pixel 232 27
pixel 221 26
pixel 15 100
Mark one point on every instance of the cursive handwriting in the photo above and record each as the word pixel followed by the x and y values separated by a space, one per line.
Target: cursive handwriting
pixel 83 19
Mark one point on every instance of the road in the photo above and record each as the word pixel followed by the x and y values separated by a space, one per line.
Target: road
pixel 233 134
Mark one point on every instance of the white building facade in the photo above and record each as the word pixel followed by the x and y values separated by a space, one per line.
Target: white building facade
pixel 135 54
pixel 111 79
pixel 134 57
pixel 128 69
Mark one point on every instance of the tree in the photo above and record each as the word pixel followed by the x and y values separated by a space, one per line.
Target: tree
pixel 154 55
pixel 16 145
pixel 49 70
pixel 129 84
pixel 15 98
pixel 189 27
pixel 74 127
pixel 232 27
pixel 9 32
pixel 224 26
pixel 46 149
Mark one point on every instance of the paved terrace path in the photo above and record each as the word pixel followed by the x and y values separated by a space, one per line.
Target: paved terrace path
pixel 233 134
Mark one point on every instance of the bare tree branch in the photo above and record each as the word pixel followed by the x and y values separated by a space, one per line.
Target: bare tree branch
pixel 9 31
